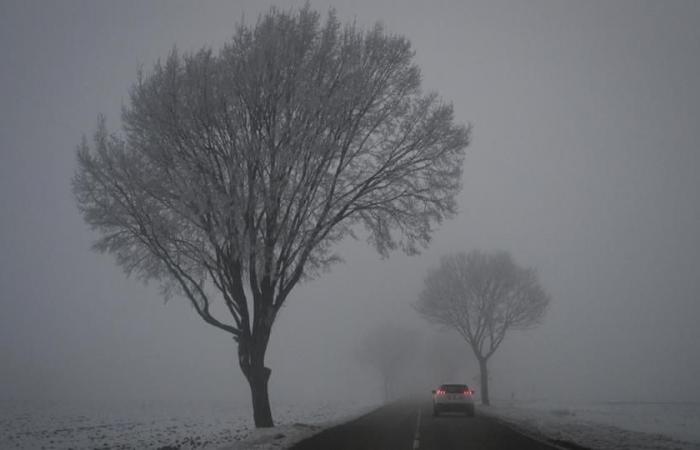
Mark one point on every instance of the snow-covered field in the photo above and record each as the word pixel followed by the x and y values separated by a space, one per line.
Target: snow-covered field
pixel 600 426
pixel 159 427
pixel 607 426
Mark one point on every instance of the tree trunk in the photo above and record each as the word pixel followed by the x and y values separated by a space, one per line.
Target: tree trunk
pixel 262 414
pixel 484 381
pixel 251 357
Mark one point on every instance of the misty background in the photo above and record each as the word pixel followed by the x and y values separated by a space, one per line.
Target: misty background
pixel 584 164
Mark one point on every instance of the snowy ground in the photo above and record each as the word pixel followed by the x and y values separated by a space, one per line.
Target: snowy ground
pixel 600 426
pixel 607 426
pixel 158 427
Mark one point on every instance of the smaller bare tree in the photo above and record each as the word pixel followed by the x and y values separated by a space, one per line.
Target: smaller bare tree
pixel 388 349
pixel 482 296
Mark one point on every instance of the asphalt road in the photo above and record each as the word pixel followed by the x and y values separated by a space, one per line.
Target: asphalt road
pixel 410 425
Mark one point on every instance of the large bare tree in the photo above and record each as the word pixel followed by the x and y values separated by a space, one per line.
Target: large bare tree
pixel 482 296
pixel 236 172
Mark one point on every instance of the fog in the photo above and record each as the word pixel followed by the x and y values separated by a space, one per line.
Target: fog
pixel 584 164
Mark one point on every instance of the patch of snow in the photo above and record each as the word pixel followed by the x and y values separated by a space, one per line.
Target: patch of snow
pixel 606 426
pixel 151 426
pixel 299 424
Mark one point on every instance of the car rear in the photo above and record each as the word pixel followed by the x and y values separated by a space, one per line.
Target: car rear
pixel 453 398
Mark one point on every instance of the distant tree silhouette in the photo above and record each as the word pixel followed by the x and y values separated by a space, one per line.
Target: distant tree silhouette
pixel 482 296
pixel 388 349
pixel 443 354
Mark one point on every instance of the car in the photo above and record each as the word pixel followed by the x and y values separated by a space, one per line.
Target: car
pixel 453 397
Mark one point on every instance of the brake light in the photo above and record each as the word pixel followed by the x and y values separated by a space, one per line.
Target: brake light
pixel 440 392
pixel 468 392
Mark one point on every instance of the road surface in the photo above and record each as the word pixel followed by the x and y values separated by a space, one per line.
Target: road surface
pixel 410 425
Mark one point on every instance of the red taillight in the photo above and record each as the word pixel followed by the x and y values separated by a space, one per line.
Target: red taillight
pixel 440 392
pixel 468 392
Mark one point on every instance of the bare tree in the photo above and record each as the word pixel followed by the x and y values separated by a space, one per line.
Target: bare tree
pixel 236 173
pixel 388 349
pixel 482 296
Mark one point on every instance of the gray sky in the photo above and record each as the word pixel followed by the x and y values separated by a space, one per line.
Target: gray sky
pixel 584 164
